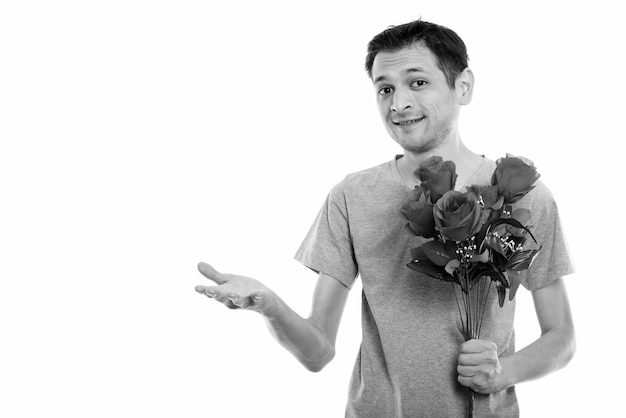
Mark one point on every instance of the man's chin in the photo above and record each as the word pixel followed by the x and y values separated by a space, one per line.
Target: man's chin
pixel 420 148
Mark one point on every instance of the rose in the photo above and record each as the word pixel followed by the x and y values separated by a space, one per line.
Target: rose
pixel 418 210
pixel 514 177
pixel 436 176
pixel 458 215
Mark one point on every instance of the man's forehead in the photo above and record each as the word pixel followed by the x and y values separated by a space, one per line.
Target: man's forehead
pixel 410 59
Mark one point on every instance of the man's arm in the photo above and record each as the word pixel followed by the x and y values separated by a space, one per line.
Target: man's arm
pixel 311 340
pixel 480 368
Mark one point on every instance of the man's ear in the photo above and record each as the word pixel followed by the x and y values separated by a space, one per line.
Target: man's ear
pixel 465 86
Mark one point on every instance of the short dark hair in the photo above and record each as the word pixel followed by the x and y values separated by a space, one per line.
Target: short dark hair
pixel 444 43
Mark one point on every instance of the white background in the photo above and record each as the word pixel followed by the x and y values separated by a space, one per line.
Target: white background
pixel 141 137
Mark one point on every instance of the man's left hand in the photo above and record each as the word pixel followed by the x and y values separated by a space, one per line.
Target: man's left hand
pixel 479 367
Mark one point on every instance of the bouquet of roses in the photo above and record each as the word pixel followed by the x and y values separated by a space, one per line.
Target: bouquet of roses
pixel 478 240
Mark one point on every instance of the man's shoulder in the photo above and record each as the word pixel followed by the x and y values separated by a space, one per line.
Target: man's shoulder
pixel 366 183
pixel 539 198
pixel 377 173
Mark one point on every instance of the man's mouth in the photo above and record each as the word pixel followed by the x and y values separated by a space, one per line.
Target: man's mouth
pixel 408 121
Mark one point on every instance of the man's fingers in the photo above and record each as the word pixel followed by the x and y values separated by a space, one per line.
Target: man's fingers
pixel 210 291
pixel 471 346
pixel 245 302
pixel 466 371
pixel 471 359
pixel 477 346
pixel 466 381
pixel 210 273
pixel 214 292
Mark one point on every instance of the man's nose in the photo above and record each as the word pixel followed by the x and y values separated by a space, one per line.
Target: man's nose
pixel 401 101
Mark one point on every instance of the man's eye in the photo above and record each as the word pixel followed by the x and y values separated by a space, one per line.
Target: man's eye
pixel 419 83
pixel 385 90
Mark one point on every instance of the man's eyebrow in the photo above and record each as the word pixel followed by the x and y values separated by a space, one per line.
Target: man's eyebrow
pixel 379 78
pixel 415 70
pixel 407 71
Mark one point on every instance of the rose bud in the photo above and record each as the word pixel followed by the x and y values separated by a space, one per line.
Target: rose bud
pixel 514 177
pixel 436 176
pixel 419 212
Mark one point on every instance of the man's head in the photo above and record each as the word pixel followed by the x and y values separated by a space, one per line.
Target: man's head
pixel 420 75
pixel 443 43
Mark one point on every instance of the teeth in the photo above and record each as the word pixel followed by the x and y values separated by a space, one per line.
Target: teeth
pixel 408 122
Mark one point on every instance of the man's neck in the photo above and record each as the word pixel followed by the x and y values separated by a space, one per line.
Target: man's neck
pixel 465 160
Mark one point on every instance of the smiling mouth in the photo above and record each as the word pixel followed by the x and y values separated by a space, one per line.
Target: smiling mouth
pixel 409 122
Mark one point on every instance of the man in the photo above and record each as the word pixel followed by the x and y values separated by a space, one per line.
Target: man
pixel 413 361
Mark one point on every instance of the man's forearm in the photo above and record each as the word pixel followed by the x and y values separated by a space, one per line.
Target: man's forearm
pixel 557 344
pixel 552 351
pixel 300 336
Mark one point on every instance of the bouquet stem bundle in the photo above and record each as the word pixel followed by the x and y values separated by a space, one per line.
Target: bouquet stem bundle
pixel 478 239
pixel 471 308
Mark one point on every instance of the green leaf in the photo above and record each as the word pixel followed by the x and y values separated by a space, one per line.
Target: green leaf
pixel 427 267
pixel 515 278
pixel 488 270
pixel 430 269
pixel 498 260
pixel 522 215
pixel 418 254
pixel 521 260
pixel 436 252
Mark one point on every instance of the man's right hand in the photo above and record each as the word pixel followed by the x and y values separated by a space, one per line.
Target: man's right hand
pixel 237 292
pixel 310 340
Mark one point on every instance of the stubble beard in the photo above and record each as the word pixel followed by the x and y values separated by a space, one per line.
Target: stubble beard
pixel 426 144
pixel 429 141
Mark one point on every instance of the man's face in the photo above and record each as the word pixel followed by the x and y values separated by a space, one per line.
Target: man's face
pixel 417 106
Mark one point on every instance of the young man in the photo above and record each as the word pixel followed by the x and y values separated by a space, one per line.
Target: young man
pixel 413 360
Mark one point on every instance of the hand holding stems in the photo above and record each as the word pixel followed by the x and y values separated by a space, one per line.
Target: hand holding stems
pixel 479 367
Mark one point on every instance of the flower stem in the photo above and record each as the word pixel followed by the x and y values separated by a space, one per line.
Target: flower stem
pixel 458 307
pixel 484 303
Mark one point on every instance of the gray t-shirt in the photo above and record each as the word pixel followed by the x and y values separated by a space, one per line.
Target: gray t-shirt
pixel 406 366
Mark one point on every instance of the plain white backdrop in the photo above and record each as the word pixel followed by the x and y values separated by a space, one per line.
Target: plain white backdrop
pixel 141 137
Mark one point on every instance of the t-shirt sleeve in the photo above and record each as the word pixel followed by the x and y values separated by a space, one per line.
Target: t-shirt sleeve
pixel 553 260
pixel 327 247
